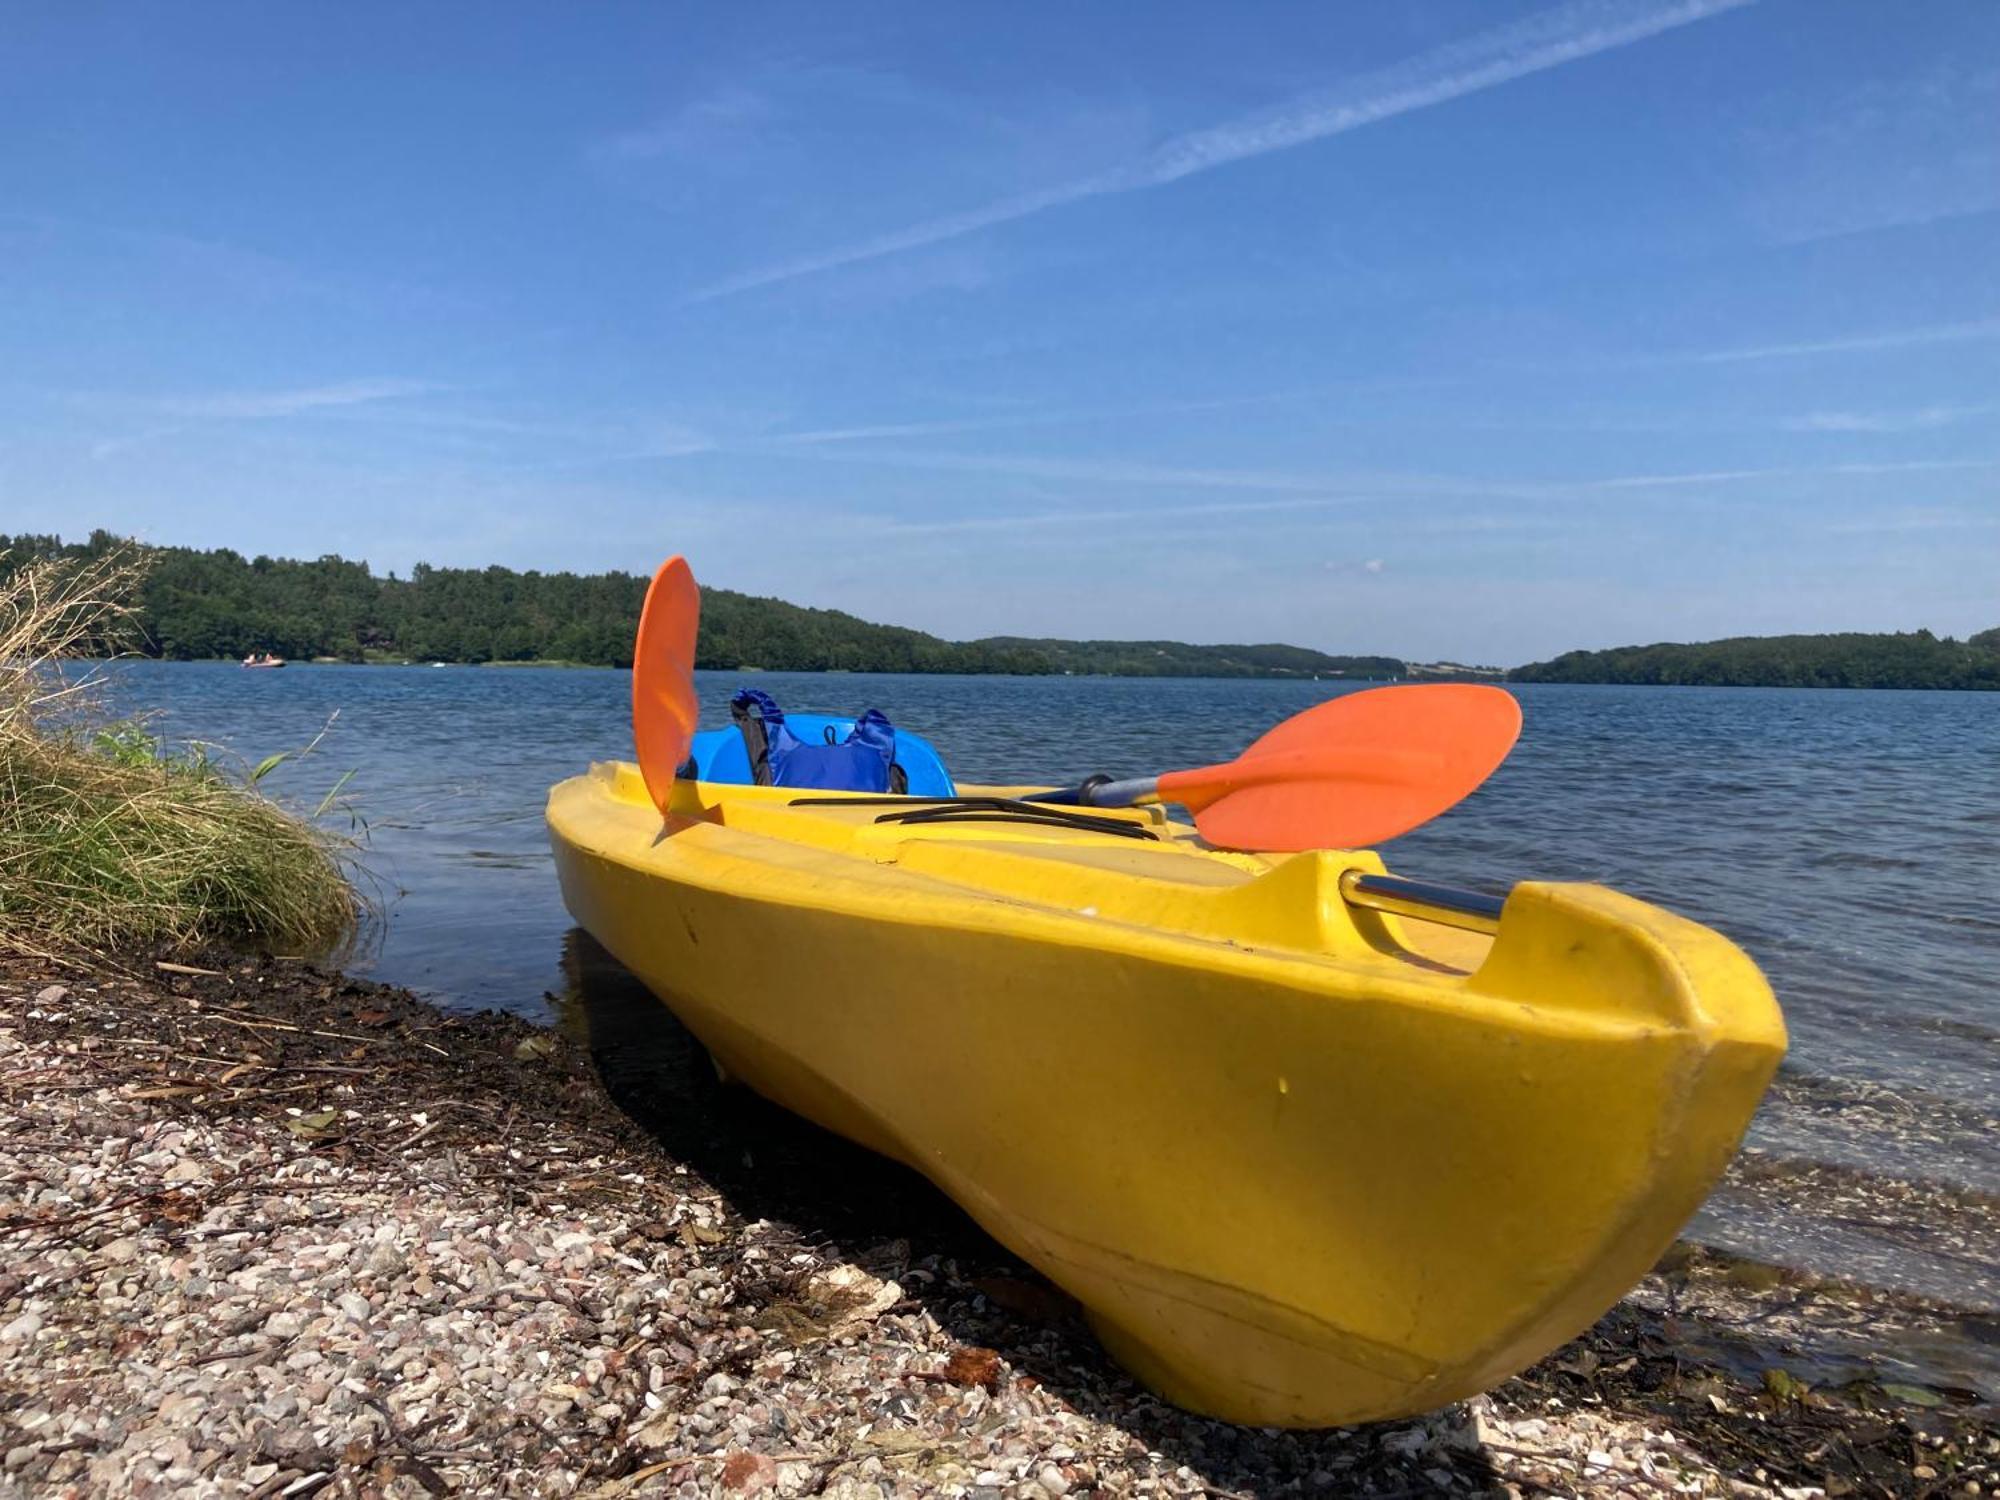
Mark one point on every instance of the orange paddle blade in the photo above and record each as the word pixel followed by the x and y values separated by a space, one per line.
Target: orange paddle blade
pixel 664 707
pixel 1355 770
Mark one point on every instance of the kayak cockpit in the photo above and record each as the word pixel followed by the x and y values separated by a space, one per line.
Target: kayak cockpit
pixel 1165 878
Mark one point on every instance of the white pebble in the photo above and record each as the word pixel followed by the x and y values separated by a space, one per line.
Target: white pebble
pixel 22 1328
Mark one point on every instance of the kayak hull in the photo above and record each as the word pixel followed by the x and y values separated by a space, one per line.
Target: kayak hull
pixel 1298 1167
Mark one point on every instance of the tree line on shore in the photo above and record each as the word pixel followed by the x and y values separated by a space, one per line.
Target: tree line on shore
pixel 1915 659
pixel 207 604
pixel 201 605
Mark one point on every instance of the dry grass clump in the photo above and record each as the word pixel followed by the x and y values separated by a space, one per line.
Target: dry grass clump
pixel 105 843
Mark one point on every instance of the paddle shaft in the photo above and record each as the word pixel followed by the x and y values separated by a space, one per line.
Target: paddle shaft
pixel 1448 907
pixel 1474 911
pixel 1104 793
pixel 1361 764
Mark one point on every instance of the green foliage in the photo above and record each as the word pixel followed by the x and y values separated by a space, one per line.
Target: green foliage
pixel 202 605
pixel 125 745
pixel 738 630
pixel 1176 659
pixel 1913 660
pixel 108 842
pixel 106 852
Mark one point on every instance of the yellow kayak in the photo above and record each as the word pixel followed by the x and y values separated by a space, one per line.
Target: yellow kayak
pixel 1304 1154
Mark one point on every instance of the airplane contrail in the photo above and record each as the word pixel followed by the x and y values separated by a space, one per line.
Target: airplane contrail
pixel 1534 44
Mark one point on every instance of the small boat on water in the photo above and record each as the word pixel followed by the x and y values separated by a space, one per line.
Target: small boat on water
pixel 263 659
pixel 1309 1143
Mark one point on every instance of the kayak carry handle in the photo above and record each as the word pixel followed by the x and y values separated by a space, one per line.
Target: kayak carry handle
pixel 1447 906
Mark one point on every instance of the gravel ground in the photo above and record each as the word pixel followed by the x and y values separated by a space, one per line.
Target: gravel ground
pixel 273 1232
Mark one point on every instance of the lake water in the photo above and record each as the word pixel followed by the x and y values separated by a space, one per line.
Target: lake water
pixel 1849 840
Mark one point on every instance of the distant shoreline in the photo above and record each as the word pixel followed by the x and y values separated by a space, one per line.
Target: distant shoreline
pixel 591 666
pixel 1503 680
pixel 219 605
pixel 1914 660
pixel 202 604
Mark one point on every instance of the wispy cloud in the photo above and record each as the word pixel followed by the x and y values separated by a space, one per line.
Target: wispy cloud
pixel 1359 517
pixel 196 266
pixel 1923 419
pixel 1095 471
pixel 1900 338
pixel 1701 476
pixel 1728 476
pixel 106 447
pixel 1919 520
pixel 236 405
pixel 919 429
pixel 1905 147
pixel 477 424
pixel 1339 488
pixel 954 525
pixel 1072 416
pixel 251 272
pixel 640 443
pixel 716 124
pixel 1050 418
pixel 1490 58
pixel 190 410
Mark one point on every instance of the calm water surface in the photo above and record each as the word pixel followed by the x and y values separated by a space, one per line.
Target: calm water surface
pixel 1849 840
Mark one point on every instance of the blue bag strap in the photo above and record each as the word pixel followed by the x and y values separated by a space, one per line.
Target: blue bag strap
pixel 874 730
pixel 766 740
pixel 766 706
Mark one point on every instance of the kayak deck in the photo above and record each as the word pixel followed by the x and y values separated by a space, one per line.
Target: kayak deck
pixel 1301 1162
pixel 1169 879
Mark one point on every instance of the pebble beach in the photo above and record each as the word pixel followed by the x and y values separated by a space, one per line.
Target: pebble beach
pixel 274 1232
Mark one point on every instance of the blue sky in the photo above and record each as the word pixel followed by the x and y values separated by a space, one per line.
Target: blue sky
pixel 1450 329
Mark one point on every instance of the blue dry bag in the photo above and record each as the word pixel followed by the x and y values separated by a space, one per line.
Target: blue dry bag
pixel 863 762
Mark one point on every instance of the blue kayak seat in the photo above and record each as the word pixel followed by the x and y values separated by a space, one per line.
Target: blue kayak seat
pixel 719 754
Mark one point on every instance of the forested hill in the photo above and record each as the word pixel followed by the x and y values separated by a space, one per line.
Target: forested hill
pixel 197 605
pixel 1917 660
pixel 1175 659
